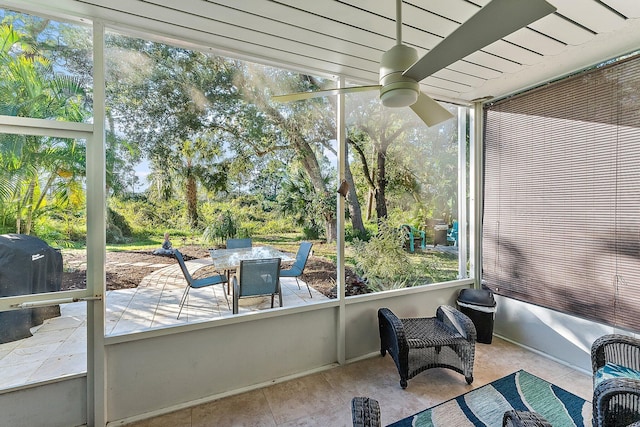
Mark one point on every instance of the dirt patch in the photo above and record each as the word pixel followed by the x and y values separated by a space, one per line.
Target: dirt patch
pixel 127 269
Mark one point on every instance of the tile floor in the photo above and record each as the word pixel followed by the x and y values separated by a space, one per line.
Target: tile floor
pixel 58 346
pixel 323 399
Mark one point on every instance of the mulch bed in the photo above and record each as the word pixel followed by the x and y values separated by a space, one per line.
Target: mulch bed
pixel 320 273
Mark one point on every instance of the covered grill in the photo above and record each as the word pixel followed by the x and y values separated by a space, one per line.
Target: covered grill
pixel 27 266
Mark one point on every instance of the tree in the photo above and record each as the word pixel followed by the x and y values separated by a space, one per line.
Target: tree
pixel 169 102
pixel 305 128
pixel 379 128
pixel 188 166
pixel 398 156
pixel 29 87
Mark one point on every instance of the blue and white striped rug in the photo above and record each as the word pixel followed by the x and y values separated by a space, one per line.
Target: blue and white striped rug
pixel 486 405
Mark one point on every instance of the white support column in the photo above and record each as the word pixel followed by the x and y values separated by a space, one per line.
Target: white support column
pixel 475 192
pixel 96 237
pixel 462 193
pixel 341 142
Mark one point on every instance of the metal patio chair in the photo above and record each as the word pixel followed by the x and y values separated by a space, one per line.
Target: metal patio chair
pixel 218 279
pixel 239 243
pixel 257 277
pixel 236 244
pixel 297 268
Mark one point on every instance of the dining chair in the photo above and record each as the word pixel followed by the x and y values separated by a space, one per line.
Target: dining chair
pixel 218 279
pixel 257 277
pixel 239 243
pixel 297 268
pixel 236 244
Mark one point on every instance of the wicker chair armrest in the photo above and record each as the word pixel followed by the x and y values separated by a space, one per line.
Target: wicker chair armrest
pixel 365 412
pixel 616 389
pixel 524 419
pixel 615 348
pixel 457 321
pixel 391 327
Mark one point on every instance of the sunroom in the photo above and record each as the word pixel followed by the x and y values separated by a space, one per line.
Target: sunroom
pixel 546 142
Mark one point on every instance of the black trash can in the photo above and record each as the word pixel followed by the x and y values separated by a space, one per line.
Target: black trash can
pixel 480 306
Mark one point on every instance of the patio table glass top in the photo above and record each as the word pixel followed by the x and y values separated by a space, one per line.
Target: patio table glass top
pixel 229 259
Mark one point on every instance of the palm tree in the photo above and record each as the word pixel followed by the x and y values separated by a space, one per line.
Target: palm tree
pixel 186 166
pixel 30 88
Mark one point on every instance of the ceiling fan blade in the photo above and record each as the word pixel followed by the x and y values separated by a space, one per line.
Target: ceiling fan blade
pixel 494 21
pixel 430 111
pixel 298 96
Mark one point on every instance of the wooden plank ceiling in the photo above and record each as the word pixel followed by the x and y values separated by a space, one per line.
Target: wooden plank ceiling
pixel 348 37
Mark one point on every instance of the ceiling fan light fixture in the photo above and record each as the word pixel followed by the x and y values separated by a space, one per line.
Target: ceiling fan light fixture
pixel 399 97
pixel 397 90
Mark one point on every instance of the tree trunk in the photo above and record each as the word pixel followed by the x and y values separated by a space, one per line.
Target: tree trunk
pixel 381 183
pixel 331 229
pixel 370 201
pixel 43 192
pixel 28 198
pixel 192 201
pixel 18 213
pixel 355 211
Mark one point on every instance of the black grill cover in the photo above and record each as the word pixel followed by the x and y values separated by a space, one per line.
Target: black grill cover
pixel 27 266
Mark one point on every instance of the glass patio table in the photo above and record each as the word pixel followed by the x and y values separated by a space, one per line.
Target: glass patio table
pixel 229 259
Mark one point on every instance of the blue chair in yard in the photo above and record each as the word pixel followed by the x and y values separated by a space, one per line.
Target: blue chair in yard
pixel 218 279
pixel 297 268
pixel 414 237
pixel 452 234
pixel 257 277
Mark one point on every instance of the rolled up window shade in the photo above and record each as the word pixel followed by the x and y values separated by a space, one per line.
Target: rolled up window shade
pixel 561 220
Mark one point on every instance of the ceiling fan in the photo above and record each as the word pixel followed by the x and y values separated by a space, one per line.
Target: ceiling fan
pixel 401 70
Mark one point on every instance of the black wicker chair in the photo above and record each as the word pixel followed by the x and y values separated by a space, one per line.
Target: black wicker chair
pixel 417 344
pixel 365 412
pixel 616 401
pixel 524 419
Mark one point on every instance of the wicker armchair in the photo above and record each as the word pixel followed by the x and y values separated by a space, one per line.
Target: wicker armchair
pixel 615 361
pixel 417 344
pixel 365 412
pixel 524 419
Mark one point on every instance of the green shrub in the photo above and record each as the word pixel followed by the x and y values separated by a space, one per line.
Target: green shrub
pixel 311 233
pixel 224 227
pixel 119 221
pixel 275 224
pixel 350 234
pixel 114 234
pixel 146 216
pixel 51 232
pixel 382 261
